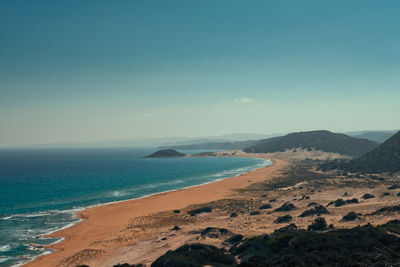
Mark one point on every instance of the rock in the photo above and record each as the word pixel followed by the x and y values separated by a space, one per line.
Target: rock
pixel 166 153
pixel 36 245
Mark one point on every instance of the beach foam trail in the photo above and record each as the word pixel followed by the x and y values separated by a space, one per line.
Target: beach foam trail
pixel 74 181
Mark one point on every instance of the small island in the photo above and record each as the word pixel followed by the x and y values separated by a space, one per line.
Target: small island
pixel 166 153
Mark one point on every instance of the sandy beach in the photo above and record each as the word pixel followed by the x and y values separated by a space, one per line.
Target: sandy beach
pixel 141 230
pixel 86 239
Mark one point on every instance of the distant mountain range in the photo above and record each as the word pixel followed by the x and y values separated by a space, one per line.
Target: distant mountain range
pixel 213 145
pixel 221 142
pixel 172 142
pixel 318 140
pixel 377 136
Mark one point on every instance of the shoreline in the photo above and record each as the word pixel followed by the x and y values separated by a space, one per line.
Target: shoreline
pixel 79 210
pixel 108 219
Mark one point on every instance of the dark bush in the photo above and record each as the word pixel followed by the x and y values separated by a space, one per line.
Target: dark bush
pixel 386 194
pixel 288 246
pixel 353 200
pixel 387 210
pixel 367 196
pixel 177 211
pixel 286 207
pixel 318 225
pixel 395 186
pixel 351 216
pixel 312 204
pixel 199 210
pixel 176 228
pixel 283 219
pixel 233 215
pixel 129 265
pixel 265 207
pixel 361 246
pixel 317 210
pixel 213 232
pixel 254 213
pixel 195 255
pixel 234 239
pixel 340 202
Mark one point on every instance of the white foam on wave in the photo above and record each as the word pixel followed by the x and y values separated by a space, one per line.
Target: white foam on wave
pixel 30 258
pixel 5 248
pixel 5 258
pixel 43 213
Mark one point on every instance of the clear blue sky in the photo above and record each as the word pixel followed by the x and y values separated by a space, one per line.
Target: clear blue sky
pixel 93 70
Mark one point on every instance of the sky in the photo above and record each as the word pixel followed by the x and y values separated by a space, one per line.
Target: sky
pixel 83 71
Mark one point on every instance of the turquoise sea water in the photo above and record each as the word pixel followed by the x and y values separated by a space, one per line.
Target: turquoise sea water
pixel 42 189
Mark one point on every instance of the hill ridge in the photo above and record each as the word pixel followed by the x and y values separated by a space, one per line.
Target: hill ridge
pixel 319 139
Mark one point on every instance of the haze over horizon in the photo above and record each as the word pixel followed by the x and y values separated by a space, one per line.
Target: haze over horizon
pixel 85 71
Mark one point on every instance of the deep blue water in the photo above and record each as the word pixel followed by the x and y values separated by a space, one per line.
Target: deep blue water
pixel 42 189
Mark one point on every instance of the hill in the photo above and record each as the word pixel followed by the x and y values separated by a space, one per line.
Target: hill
pixel 384 158
pixel 166 153
pixel 318 140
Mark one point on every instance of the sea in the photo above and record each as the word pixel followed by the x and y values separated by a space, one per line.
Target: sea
pixel 42 189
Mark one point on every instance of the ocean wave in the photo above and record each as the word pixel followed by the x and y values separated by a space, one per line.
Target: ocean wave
pixel 42 213
pixel 64 227
pixel 5 248
pixel 29 258
pixel 239 171
pixel 5 259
